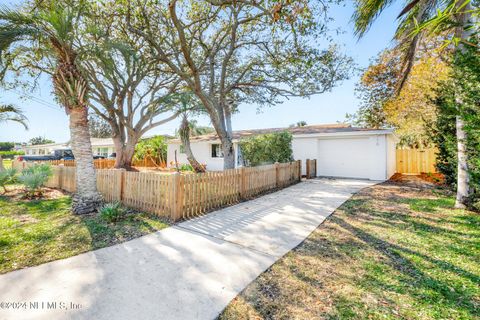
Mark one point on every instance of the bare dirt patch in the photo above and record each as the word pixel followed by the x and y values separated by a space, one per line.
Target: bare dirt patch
pixel 18 193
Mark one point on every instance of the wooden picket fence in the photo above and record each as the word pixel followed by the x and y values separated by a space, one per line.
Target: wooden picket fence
pixel 182 196
pixel 416 161
pixel 108 163
pixel 311 168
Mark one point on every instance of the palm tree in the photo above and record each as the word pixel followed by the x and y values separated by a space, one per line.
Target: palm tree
pixel 187 105
pixel 184 133
pixel 11 113
pixel 452 17
pixel 49 31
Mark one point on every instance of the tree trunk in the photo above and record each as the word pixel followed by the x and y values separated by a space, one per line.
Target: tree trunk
pixel 185 137
pixel 228 153
pixel 462 166
pixel 86 198
pixel 463 183
pixel 124 153
pixel 2 168
pixel 227 142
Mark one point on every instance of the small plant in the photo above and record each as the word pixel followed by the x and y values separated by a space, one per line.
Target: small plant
pixel 7 176
pixel 186 167
pixel 112 212
pixel 473 202
pixel 35 177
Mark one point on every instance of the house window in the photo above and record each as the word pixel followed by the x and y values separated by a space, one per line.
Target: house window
pixel 102 152
pixel 182 148
pixel 217 151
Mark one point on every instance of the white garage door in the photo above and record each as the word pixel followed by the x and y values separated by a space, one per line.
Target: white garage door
pixel 347 158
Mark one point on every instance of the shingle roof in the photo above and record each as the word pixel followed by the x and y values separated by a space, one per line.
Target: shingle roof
pixel 312 129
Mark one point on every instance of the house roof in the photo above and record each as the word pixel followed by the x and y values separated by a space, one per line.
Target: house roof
pixel 305 130
pixel 95 142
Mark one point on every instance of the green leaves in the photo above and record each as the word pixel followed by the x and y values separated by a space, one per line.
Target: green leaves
pixel 459 97
pixel 366 11
pixel 12 113
pixel 35 177
pixel 267 148
pixel 7 176
pixel 155 147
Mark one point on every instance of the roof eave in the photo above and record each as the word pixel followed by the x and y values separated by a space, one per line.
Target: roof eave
pixel 345 134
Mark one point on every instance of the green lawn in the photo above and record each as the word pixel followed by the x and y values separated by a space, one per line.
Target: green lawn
pixel 7 163
pixel 35 232
pixel 393 251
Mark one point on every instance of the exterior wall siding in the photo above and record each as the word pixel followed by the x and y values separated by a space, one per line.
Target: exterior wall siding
pixel 362 156
pixel 303 149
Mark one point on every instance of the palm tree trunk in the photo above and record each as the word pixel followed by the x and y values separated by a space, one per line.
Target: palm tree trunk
pixel 185 137
pixel 86 198
pixel 463 183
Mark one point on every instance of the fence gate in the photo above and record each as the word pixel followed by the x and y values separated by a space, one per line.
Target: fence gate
pixel 416 161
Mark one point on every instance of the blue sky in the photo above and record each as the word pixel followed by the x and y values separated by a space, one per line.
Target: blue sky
pixel 47 119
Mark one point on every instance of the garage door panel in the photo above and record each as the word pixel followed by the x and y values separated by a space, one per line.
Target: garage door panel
pixel 348 158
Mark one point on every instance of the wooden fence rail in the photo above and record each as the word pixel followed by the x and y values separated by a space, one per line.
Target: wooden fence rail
pixel 416 161
pixel 107 163
pixel 181 196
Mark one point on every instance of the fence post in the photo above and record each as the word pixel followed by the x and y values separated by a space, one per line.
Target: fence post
pixel 315 167
pixel 299 170
pixel 60 177
pixel 122 184
pixel 177 209
pixel 307 168
pixel 277 174
pixel 242 183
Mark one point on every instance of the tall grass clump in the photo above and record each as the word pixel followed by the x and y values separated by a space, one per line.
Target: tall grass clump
pixel 35 177
pixel 8 176
pixel 112 212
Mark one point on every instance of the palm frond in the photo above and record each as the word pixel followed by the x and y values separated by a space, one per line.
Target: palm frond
pixel 16 17
pixel 366 11
pixel 408 8
pixel 417 11
pixel 11 113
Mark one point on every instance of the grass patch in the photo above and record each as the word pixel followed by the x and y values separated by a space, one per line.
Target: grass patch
pixel 430 205
pixel 393 251
pixel 35 232
pixel 7 163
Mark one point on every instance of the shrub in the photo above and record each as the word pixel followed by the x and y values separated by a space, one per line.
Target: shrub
pixel 10 154
pixel 185 167
pixel 7 176
pixel 267 148
pixel 35 177
pixel 464 83
pixel 155 147
pixel 112 212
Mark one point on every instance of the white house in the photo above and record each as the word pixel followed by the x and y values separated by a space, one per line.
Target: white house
pixel 340 150
pixel 100 147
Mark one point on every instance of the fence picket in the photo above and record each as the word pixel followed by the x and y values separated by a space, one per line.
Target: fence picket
pixel 180 195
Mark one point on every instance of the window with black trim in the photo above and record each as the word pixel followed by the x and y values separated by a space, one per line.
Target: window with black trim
pixel 217 151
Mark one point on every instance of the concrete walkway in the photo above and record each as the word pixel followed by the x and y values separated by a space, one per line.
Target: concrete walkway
pixel 190 271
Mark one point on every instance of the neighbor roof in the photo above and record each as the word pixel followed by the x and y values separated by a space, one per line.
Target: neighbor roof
pixel 312 129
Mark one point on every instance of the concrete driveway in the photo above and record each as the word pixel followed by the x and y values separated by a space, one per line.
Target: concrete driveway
pixel 189 271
